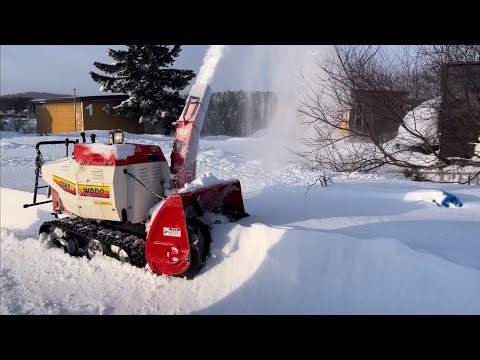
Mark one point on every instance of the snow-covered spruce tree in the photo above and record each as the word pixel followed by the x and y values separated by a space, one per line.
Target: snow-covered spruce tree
pixel 145 73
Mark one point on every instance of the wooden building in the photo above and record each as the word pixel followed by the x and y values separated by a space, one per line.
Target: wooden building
pixel 380 112
pixel 460 112
pixel 64 115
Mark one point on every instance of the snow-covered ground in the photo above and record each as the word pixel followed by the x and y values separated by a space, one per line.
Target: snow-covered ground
pixel 364 244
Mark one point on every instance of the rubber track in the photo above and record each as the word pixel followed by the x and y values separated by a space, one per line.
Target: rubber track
pixel 91 229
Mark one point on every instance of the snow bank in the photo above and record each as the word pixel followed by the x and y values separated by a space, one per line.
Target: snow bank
pixel 423 120
pixel 24 221
pixel 425 195
pixel 41 280
pixel 152 213
pixel 308 272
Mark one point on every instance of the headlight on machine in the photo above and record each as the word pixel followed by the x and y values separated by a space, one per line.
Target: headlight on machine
pixel 116 137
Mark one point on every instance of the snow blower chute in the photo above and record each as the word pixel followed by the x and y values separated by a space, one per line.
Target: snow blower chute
pixel 109 189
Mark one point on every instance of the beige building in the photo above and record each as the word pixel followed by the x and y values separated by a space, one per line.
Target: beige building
pixel 64 115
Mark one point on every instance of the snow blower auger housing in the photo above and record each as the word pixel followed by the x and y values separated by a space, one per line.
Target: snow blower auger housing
pixel 125 201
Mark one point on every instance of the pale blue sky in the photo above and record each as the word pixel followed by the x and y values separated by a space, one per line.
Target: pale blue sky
pixel 61 68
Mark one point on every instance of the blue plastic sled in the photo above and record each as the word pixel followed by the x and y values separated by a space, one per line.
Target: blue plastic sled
pixel 449 198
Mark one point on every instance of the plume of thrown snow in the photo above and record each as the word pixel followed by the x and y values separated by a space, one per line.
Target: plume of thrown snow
pixel 288 71
pixel 210 62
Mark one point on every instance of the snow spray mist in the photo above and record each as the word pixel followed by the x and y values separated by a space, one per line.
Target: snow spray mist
pixel 287 71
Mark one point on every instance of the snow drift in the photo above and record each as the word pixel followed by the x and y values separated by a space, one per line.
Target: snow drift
pixel 363 245
pixel 421 121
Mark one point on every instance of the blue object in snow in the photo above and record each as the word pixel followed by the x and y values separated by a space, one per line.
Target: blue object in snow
pixel 449 198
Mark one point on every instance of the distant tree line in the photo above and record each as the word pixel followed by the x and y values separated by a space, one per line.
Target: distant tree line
pixel 16 103
pixel 231 113
pixel 238 113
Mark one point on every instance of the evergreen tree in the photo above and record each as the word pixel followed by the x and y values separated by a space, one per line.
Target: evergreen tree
pixel 238 113
pixel 144 73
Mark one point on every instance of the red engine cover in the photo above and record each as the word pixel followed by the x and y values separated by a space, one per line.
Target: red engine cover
pixel 102 154
pixel 167 248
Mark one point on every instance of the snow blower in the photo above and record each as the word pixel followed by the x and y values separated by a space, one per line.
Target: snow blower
pixel 123 200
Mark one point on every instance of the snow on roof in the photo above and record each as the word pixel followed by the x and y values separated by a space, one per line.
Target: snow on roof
pixel 82 98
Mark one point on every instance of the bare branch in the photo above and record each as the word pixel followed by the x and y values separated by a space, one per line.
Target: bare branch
pixel 370 106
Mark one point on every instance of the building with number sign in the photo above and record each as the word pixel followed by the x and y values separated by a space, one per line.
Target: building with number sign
pixel 65 115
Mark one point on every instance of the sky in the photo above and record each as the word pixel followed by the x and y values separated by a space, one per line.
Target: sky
pixel 61 68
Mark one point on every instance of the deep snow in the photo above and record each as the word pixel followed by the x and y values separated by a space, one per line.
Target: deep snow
pixel 421 121
pixel 364 244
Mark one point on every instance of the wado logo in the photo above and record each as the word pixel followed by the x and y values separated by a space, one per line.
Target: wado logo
pixel 65 185
pixel 94 190
pixel 176 232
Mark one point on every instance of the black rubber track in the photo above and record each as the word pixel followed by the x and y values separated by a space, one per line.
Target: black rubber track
pixel 83 230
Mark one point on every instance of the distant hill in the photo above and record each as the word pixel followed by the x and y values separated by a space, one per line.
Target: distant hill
pixel 21 101
pixel 36 95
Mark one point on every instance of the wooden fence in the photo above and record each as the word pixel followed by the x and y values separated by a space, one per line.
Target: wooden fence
pixel 459 177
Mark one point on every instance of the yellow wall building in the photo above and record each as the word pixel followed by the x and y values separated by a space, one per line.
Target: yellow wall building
pixel 57 115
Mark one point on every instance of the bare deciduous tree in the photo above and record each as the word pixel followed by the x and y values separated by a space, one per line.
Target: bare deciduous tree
pixel 371 107
pixel 19 123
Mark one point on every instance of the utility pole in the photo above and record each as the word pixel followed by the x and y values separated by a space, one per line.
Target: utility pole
pixel 74 110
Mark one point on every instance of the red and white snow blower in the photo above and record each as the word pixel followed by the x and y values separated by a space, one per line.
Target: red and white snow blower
pixel 125 201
